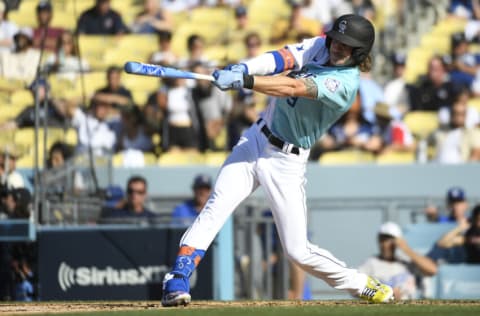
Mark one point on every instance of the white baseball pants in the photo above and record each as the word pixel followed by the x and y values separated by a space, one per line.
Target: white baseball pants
pixel 253 162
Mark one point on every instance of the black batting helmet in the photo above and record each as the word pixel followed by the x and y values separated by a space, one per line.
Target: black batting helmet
pixel 355 31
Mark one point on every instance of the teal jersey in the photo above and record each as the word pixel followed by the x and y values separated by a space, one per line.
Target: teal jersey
pixel 302 121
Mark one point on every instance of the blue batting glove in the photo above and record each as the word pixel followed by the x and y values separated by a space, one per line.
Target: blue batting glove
pixel 227 79
pixel 237 67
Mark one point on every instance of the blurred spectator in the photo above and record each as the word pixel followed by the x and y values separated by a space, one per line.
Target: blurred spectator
pixel 465 65
pixel 466 9
pixel 60 182
pixel 175 99
pixel 196 53
pixel 243 114
pixel 472 116
pixel 132 134
pixel 434 90
pixel 214 108
pixel 152 19
pixel 472 237
pixel 101 19
pixel 447 249
pixel 44 35
pixel 351 131
pixel 326 11
pixel 456 143
pixel 364 8
pixel 133 207
pixel 395 91
pixel 399 270
pixel 66 62
pixel 51 111
pixel 114 93
pixel 92 129
pixel 371 93
pixel 186 212
pixel 298 287
pixel 286 31
pixel 179 5
pixel 245 101
pixel 22 255
pixel 456 207
pixel 10 178
pixel 7 30
pixel 389 134
pixel 164 55
pixel 236 34
pixel 22 63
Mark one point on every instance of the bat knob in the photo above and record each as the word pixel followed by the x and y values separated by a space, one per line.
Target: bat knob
pixel 132 67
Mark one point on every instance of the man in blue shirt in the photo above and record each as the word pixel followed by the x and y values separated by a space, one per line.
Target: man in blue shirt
pixel 186 212
pixel 101 20
pixel 133 207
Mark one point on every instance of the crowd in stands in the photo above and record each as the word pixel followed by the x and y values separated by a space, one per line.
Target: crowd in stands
pixel 60 63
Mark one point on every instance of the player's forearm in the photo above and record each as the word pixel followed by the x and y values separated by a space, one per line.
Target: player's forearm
pixel 279 86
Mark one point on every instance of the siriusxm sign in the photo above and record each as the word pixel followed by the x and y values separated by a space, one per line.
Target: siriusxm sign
pixel 94 276
pixel 112 264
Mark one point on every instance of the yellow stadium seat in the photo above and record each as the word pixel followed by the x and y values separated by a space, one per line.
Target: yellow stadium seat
pixel 140 83
pixel 417 63
pixel 438 43
pixel 475 103
pixel 144 43
pixel 179 158
pixel 216 158
pixel 140 97
pixel 70 137
pixel 346 157
pixel 92 81
pixel 449 26
pixel 22 98
pixel 421 123
pixel 64 20
pixel 394 157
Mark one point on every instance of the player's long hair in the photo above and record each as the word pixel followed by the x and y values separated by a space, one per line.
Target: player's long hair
pixel 366 64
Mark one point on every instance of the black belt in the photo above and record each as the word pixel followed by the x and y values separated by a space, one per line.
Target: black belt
pixel 277 142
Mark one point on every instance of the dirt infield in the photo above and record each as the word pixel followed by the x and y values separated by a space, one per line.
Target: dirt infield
pixel 66 307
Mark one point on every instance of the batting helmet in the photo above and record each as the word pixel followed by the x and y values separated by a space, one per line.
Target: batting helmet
pixel 354 31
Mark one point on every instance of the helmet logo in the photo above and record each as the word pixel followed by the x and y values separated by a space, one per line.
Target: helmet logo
pixel 342 26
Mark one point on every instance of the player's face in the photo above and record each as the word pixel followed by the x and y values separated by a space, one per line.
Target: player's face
pixel 339 53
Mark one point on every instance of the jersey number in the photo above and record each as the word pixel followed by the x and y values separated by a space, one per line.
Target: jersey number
pixel 292 101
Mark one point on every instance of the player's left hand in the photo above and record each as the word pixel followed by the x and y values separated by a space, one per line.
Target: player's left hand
pixel 226 79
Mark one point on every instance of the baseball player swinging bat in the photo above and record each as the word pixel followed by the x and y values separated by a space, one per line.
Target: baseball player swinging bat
pixel 143 69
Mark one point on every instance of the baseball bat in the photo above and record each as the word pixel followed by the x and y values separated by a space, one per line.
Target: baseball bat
pixel 143 69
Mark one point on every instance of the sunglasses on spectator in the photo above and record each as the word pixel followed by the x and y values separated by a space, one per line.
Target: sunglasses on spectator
pixel 254 44
pixel 132 191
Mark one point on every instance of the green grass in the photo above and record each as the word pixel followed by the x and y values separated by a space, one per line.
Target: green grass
pixel 305 311
pixel 343 308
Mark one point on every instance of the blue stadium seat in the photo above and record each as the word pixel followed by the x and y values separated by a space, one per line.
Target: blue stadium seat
pixel 422 236
pixel 458 281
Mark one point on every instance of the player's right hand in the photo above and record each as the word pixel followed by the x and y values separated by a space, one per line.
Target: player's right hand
pixel 228 79
pixel 237 67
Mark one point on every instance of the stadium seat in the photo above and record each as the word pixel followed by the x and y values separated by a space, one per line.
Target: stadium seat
pixel 70 137
pixel 421 123
pixel 422 236
pixel 475 102
pixel 215 158
pixel 140 83
pixel 178 158
pixel 22 98
pixel 458 281
pixel 346 157
pixel 394 157
pixel 417 63
pixel 438 43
